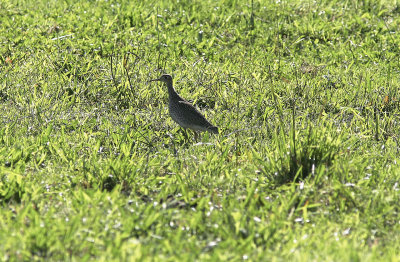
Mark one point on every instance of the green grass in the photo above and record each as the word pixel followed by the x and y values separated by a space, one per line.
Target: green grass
pixel 306 95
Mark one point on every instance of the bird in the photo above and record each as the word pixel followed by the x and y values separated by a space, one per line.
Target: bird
pixel 183 112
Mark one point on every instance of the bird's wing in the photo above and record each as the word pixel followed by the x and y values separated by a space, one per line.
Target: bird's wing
pixel 194 114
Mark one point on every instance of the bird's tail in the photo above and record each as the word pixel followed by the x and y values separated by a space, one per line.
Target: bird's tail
pixel 213 129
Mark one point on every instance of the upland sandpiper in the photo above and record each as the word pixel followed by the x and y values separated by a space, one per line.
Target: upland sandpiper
pixel 184 113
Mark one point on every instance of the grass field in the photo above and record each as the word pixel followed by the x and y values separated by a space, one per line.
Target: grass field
pixel 306 95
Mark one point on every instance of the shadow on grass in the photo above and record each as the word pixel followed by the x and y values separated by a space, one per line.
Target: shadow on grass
pixel 304 154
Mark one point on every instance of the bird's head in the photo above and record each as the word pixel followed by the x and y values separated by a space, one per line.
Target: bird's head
pixel 164 78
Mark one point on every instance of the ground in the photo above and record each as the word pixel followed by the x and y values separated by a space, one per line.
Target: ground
pixel 305 168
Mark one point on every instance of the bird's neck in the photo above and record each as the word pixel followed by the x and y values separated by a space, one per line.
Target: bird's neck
pixel 173 95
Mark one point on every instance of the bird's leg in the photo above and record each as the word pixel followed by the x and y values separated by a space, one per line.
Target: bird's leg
pixel 173 144
pixel 195 136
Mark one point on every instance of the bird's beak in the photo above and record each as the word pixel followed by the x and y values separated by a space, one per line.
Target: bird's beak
pixel 152 80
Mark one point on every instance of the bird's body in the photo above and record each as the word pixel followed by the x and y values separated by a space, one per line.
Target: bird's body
pixel 184 113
